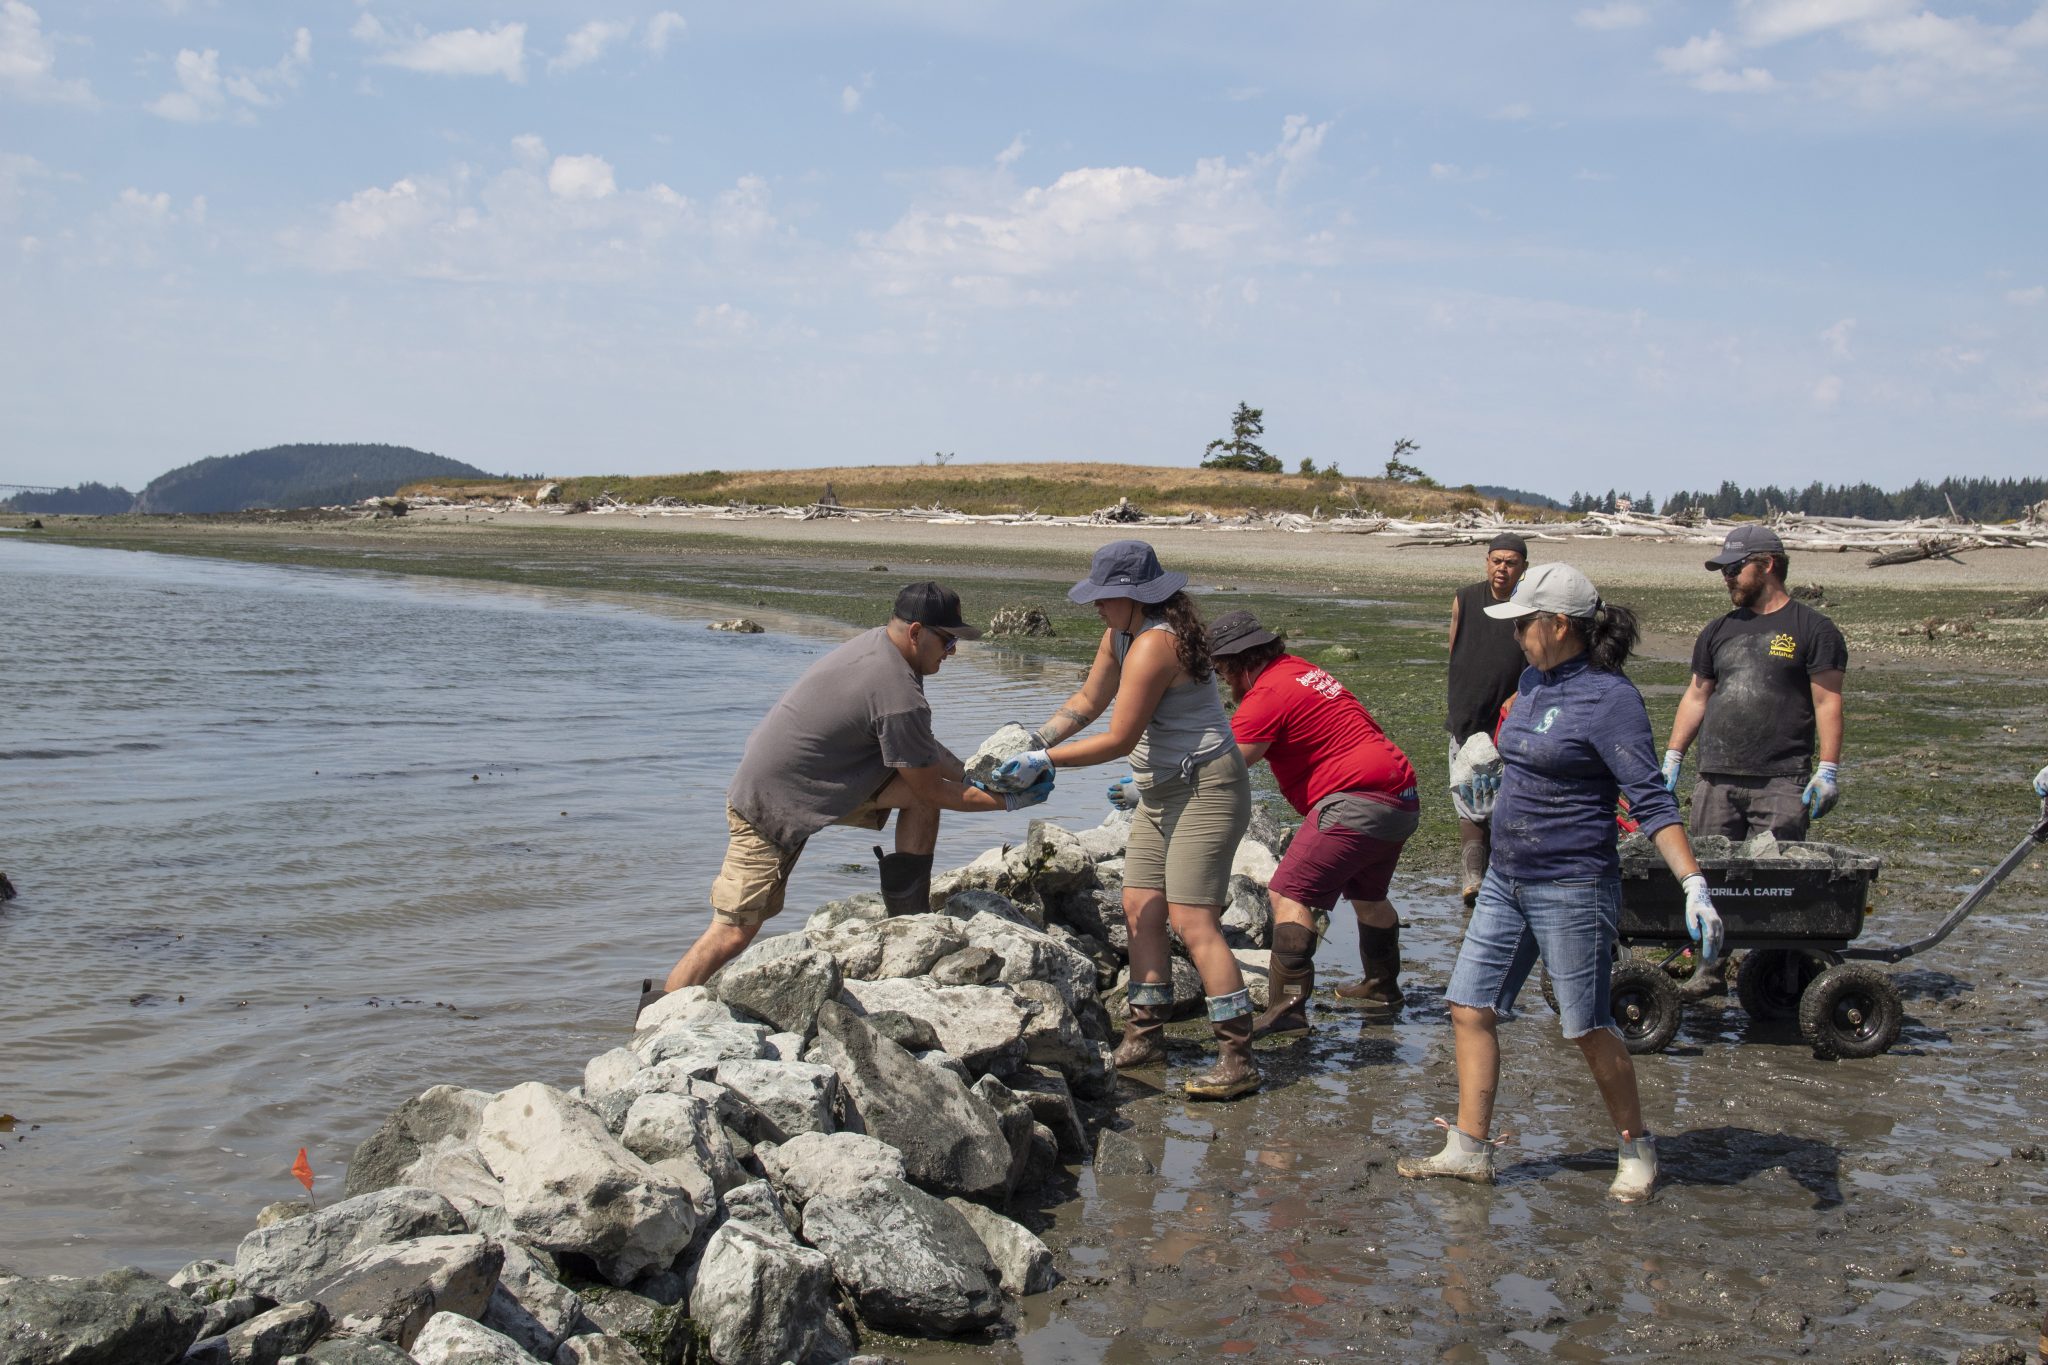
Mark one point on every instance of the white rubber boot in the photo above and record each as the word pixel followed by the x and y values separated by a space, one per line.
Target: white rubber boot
pixel 1463 1158
pixel 1635 1170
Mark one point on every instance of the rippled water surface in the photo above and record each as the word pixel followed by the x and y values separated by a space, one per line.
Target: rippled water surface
pixel 293 845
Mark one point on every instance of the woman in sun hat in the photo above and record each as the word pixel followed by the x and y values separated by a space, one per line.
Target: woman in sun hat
pixel 1576 739
pixel 1194 799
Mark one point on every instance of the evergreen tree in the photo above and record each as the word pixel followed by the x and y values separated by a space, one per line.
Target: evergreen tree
pixel 1242 450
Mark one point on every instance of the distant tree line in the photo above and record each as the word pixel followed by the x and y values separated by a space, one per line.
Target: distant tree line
pixel 86 500
pixel 1976 499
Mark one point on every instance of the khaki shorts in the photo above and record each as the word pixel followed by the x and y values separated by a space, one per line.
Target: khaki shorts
pixel 1185 833
pixel 753 880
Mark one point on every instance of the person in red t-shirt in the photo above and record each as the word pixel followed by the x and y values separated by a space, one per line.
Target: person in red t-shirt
pixel 1357 792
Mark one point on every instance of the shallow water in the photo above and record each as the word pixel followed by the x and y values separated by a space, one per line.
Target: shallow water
pixel 294 844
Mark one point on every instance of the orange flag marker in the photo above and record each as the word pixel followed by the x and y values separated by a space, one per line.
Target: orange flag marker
pixel 303 1169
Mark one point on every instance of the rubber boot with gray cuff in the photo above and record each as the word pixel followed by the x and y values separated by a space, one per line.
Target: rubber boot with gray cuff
pixel 1143 1043
pixel 1235 1073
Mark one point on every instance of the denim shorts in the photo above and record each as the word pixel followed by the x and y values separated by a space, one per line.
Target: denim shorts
pixel 1570 924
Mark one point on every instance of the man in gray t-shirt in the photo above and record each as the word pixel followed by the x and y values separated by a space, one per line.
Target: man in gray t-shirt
pixel 849 743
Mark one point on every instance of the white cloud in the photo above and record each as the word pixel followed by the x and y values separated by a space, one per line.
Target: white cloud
pixel 1241 94
pixel 984 242
pixel 1828 391
pixel 1837 337
pixel 1605 18
pixel 588 43
pixel 28 60
pixel 530 148
pixel 581 177
pixel 663 29
pixel 849 100
pixel 459 52
pixel 1513 113
pixel 571 223
pixel 725 318
pixel 1765 22
pixel 1300 140
pixel 1450 173
pixel 1009 155
pixel 203 94
pixel 2027 298
pixel 1708 63
pixel 16 169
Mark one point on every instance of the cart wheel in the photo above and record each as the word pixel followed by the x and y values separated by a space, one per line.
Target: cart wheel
pixel 1646 1006
pixel 1770 981
pixel 1851 1011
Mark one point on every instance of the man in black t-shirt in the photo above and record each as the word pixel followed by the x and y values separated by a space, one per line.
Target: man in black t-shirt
pixel 1765 702
pixel 1486 664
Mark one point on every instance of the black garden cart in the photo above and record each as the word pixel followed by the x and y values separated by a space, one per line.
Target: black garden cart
pixel 1794 912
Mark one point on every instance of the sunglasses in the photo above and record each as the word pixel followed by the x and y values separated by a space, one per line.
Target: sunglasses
pixel 1734 570
pixel 948 642
pixel 1522 623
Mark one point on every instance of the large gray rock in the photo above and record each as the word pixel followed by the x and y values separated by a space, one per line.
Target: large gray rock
pixel 1057 860
pixel 1119 1154
pixel 952 1141
pixel 1054 1037
pixel 785 990
pixel 597 1349
pixel 855 946
pixel 571 1187
pixel 967 902
pixel 790 1097
pixel 286 1259
pixel 689 1005
pixel 865 908
pixel 1014 1116
pixel 450 1339
pixel 264 1339
pixel 658 1331
pixel 663 1127
pixel 206 1281
pixel 1051 1100
pixel 1022 1260
pixel 983 1026
pixel 529 1304
pixel 1034 955
pixel 760 1301
pixel 454 1169
pixel 1253 859
pixel 380 1160
pixel 829 1163
pixel 912 943
pixel 911 1262
pixel 390 1292
pixel 357 1351
pixel 699 1048
pixel 1108 839
pixel 1009 740
pixel 1255 965
pixel 124 1317
pixel 757 1205
pixel 968 967
pixel 224 1315
pixel 1248 915
pixel 998 872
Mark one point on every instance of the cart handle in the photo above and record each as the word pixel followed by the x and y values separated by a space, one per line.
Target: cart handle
pixel 1900 952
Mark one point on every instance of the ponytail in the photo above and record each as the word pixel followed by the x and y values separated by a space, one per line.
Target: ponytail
pixel 1609 635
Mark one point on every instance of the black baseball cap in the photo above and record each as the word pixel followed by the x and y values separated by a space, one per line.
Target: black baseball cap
pixel 1752 538
pixel 1508 540
pixel 935 605
pixel 1236 631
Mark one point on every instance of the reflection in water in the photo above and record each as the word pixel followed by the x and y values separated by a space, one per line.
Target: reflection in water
pixel 295 844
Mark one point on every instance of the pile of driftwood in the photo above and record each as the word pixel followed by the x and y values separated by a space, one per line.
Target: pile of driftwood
pixel 1888 542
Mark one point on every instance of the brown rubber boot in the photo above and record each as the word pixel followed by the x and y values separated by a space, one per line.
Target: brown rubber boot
pixel 1235 1073
pixel 1291 981
pixel 906 882
pixel 1379 951
pixel 1476 849
pixel 1142 1043
pixel 1709 978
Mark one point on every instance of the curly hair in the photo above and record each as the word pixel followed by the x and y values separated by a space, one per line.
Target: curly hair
pixel 1609 635
pixel 1190 636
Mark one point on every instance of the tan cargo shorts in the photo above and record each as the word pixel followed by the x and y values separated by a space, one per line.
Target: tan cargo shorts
pixel 1185 832
pixel 753 880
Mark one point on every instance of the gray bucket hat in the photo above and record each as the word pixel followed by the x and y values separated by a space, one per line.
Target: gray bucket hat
pixel 1236 631
pixel 1127 568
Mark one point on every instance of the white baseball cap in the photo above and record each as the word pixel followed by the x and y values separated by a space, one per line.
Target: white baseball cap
pixel 1549 588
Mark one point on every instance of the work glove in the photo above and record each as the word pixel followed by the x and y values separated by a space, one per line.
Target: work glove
pixel 1823 791
pixel 2041 784
pixel 1674 759
pixel 1033 795
pixel 1479 790
pixel 1702 920
pixel 1123 793
pixel 1022 771
pixel 1037 736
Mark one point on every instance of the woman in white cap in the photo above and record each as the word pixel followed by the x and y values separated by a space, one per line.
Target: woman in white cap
pixel 1577 738
pixel 1194 799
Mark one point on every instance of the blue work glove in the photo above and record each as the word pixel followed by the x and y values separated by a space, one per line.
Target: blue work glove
pixel 1022 771
pixel 1674 759
pixel 1033 795
pixel 1702 920
pixel 1823 791
pixel 2041 784
pixel 1479 790
pixel 1123 793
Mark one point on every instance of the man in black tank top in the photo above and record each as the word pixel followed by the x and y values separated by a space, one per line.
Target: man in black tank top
pixel 1486 665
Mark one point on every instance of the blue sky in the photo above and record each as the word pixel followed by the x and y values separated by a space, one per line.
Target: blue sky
pixel 1633 243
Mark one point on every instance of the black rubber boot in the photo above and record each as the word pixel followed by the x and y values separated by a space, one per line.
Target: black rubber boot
pixel 648 995
pixel 1379 952
pixel 906 882
pixel 1291 981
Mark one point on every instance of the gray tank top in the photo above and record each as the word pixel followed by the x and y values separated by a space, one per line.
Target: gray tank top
pixel 1188 727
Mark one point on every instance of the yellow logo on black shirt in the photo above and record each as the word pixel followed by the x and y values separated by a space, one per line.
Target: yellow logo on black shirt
pixel 1783 646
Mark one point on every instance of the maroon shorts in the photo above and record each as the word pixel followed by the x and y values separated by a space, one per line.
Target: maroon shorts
pixel 1322 865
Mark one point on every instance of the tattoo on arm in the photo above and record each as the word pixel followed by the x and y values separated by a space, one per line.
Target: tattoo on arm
pixel 1064 722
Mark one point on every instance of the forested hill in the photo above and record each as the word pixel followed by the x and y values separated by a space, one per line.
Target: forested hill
pixel 296 476
pixel 1975 498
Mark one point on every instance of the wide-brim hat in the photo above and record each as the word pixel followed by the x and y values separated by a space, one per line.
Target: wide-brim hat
pixel 1236 631
pixel 1127 568
pixel 1555 588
